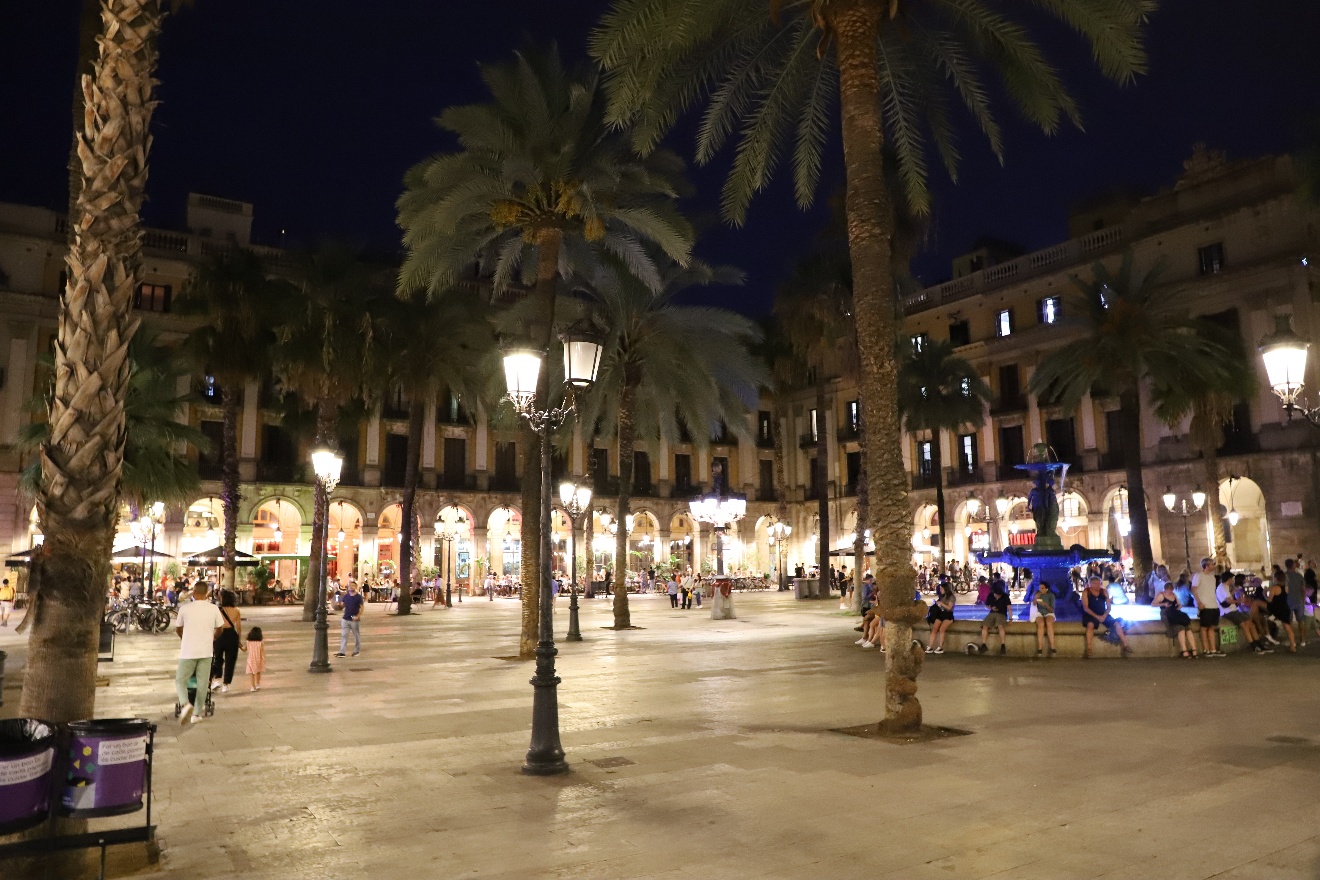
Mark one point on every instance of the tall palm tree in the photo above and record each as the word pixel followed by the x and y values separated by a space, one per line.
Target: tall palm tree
pixel 667 366
pixel 82 461
pixel 234 346
pixel 444 342
pixel 541 186
pixel 939 391
pixel 1209 399
pixel 815 311
pixel 1133 331
pixel 328 354
pixel 771 72
pixel 153 468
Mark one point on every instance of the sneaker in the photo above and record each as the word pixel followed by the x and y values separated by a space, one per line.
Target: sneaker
pixel 1264 648
pixel 882 649
pixel 215 685
pixel 1212 654
pixel 224 688
pixel 867 645
pixel 1039 652
pixel 1257 649
pixel 355 653
pixel 982 648
pixel 339 654
pixel 939 650
pixel 185 713
pixel 1003 649
pixel 1271 639
pixel 196 718
pixel 930 650
pixel 1053 652
pixel 860 642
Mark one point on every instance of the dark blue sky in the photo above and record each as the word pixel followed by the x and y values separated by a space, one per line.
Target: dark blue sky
pixel 313 111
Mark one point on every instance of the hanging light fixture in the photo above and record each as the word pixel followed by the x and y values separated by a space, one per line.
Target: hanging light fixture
pixel 277 533
pixel 341 534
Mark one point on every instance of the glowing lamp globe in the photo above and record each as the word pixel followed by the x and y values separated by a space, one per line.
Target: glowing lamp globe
pixel 522 369
pixel 582 352
pixel 1284 354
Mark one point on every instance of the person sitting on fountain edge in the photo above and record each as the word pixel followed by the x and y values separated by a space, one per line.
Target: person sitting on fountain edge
pixel 998 604
pixel 1095 612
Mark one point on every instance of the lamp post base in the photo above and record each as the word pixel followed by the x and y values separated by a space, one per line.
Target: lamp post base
pixel 574 633
pixel 545 757
pixel 449 598
pixel 321 647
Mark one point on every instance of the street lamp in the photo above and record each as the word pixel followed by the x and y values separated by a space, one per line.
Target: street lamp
pixel 779 532
pixel 523 374
pixel 1284 354
pixel 154 517
pixel 1174 504
pixel 721 509
pixel 327 465
pixel 576 498
pixel 447 530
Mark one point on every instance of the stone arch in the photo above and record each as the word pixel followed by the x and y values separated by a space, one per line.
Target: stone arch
pixel 346 520
pixel 203 526
pixel 504 541
pixel 1248 538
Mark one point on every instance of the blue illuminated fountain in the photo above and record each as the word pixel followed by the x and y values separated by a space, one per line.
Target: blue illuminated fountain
pixel 1047 558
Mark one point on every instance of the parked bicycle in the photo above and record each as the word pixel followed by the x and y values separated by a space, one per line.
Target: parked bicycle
pixel 146 615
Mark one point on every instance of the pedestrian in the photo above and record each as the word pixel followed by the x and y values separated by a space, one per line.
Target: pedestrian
pixel 698 588
pixel 672 588
pixel 1207 607
pixel 226 643
pixel 1281 611
pixel 1042 611
pixel 199 622
pixel 1096 606
pixel 490 587
pixel 687 595
pixel 352 622
pixel 6 602
pixel 609 579
pixel 1176 620
pixel 983 588
pixel 940 616
pixel 998 604
pixel 1295 583
pixel 255 646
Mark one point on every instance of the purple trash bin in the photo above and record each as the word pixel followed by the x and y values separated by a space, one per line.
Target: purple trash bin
pixel 27 754
pixel 106 766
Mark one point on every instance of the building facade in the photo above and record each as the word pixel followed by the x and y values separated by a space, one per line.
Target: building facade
pixel 1236 238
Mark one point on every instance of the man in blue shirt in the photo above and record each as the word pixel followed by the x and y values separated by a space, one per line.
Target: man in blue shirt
pixel 353 605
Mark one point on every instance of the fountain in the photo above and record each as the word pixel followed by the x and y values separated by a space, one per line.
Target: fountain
pixel 1047 558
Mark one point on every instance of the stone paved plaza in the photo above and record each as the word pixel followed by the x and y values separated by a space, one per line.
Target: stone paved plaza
pixel 703 749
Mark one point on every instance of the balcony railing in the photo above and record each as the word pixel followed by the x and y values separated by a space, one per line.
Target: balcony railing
pixel 1112 461
pixel 767 495
pixel 923 481
pixel 456 481
pixel 849 432
pixel 765 441
pixel 1014 404
pixel 506 483
pixel 806 440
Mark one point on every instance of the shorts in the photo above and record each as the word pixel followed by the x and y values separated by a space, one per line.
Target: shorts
pixel 1208 617
pixel 994 618
pixel 939 612
pixel 1237 618
pixel 1034 614
pixel 1108 623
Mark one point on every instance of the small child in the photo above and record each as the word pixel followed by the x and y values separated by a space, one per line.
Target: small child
pixel 256 661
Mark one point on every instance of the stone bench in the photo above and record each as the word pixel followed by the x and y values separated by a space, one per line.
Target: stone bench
pixel 1147 638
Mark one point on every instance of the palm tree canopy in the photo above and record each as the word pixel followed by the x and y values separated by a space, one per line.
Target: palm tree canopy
pixel 1186 389
pixel 441 342
pixel 814 313
pixel 688 366
pixel 231 289
pixel 153 468
pixel 1132 328
pixel 769 79
pixel 938 390
pixel 538 157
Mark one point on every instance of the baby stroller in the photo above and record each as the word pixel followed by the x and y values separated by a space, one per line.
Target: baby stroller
pixel 208 707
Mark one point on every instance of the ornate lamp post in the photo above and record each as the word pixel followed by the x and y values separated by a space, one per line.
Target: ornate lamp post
pixel 576 498
pixel 779 532
pixel 153 518
pixel 522 374
pixel 1284 354
pixel 447 530
pixel 327 465
pixel 1174 504
pixel 721 509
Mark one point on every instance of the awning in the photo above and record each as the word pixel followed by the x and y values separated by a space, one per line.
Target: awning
pixel 136 553
pixel 216 556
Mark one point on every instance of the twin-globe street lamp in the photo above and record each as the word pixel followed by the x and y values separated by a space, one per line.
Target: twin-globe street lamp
pixel 522 375
pixel 447 530
pixel 779 532
pixel 1174 504
pixel 327 464
pixel 576 498
pixel 1284 354
pixel 721 508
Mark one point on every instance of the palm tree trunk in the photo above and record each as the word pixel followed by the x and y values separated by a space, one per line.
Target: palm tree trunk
pixel 781 481
pixel 870 222
pixel 325 421
pixel 82 460
pixel 937 471
pixel 1208 435
pixel 89 28
pixel 1143 558
pixel 863 517
pixel 230 492
pixel 823 489
pixel 412 473
pixel 548 244
pixel 627 442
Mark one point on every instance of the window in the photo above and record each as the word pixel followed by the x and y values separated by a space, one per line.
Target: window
pixel 721 463
pixel 506 467
pixel 1061 436
pixel 395 469
pixel 854 411
pixel 152 297
pixel 925 458
pixel 815 429
pixel 600 469
pixel 1047 310
pixel 1004 323
pixel 967 459
pixel 919 342
pixel 683 472
pixel 1010 388
pixel 1011 451
pixel 210 390
pixel 854 465
pixel 455 472
pixel 960 333
pixel 766 470
pixel 765 434
pixel 1211 258
pixel 641 473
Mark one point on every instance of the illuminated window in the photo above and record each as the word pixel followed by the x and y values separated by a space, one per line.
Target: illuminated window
pixel 1004 323
pixel 152 297
pixel 1048 310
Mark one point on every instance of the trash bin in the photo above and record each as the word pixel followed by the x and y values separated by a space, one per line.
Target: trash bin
pixel 27 753
pixel 106 770
pixel 3 655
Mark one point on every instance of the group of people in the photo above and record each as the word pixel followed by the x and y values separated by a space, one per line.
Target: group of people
pixel 683 593
pixel 209 643
pixel 1262 612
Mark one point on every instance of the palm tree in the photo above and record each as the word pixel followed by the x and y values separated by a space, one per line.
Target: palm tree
pixel 1133 330
pixel 1209 400
pixel 542 186
pixel 815 311
pixel 328 354
pixel 937 392
pixel 153 468
pixel 665 367
pixel 234 346
pixel 82 461
pixel 771 71
pixel 445 342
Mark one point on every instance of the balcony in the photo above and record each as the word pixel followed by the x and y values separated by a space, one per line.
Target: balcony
pixel 505 483
pixel 962 477
pixel 849 432
pixel 765 441
pixel 1007 405
pixel 807 440
pixel 1112 461
pixel 923 481
pixel 456 481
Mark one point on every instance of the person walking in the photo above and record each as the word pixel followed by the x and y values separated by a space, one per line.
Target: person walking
pixel 6 601
pixel 227 643
pixel 697 587
pixel 199 623
pixel 352 622
pixel 255 646
pixel 672 589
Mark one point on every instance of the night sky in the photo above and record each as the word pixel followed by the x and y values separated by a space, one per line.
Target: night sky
pixel 312 111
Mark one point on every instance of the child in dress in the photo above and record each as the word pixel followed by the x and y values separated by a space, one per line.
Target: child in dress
pixel 256 661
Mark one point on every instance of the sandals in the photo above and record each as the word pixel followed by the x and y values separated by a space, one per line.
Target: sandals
pixel 1186 655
